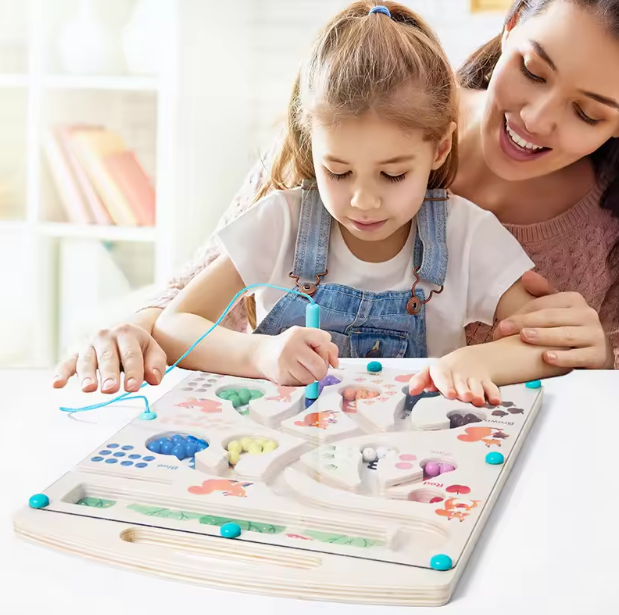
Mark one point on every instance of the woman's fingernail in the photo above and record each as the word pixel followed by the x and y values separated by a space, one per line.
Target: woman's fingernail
pixel 508 327
pixel 551 356
pixel 108 384
pixel 530 333
pixel 131 383
pixel 157 375
pixel 86 382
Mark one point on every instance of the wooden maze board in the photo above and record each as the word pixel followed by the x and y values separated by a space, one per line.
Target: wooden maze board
pixel 348 500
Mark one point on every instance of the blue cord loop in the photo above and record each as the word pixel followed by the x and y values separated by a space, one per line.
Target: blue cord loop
pixel 380 9
pixel 131 396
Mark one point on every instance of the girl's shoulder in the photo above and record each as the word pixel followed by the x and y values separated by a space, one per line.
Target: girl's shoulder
pixel 464 213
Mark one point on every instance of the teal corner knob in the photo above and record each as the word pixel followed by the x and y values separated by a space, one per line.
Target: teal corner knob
pixel 534 384
pixel 148 415
pixel 441 562
pixel 230 530
pixel 40 500
pixel 495 458
pixel 375 367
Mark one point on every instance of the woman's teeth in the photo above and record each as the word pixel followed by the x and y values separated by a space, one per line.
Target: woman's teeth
pixel 518 140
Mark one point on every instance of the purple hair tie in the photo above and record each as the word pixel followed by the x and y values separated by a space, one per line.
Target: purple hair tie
pixel 380 9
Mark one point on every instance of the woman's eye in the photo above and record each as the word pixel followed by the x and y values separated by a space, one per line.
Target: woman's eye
pixel 529 75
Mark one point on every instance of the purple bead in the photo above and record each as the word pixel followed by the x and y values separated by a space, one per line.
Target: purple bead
pixel 445 467
pixel 432 468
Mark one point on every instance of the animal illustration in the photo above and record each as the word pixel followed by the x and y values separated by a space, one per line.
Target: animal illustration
pixel 482 434
pixel 455 508
pixel 283 394
pixel 404 377
pixel 209 406
pixel 318 419
pixel 226 486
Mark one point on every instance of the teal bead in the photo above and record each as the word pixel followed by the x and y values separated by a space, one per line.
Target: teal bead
pixel 234 399
pixel 230 530
pixel 255 394
pixel 148 415
pixel 375 367
pixel 40 500
pixel 441 562
pixel 244 396
pixel 495 458
pixel 534 384
pixel 224 394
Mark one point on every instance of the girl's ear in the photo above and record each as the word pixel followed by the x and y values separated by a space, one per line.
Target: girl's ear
pixel 444 147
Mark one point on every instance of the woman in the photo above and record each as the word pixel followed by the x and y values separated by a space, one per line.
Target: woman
pixel 539 147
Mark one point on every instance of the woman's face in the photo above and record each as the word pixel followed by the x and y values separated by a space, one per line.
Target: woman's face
pixel 554 95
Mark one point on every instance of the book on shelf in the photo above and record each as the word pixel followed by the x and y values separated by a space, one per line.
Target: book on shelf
pixel 98 178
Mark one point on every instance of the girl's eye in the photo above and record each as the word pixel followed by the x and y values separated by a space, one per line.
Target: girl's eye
pixel 584 117
pixel 529 75
pixel 395 178
pixel 337 176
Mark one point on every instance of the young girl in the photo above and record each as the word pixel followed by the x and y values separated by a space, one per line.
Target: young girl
pixel 357 215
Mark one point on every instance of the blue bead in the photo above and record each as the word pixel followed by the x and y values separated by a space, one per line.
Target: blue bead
pixel 534 384
pixel 202 445
pixel 441 562
pixel 127 448
pixel 119 454
pixel 105 452
pixel 97 459
pixel 112 445
pixel 190 449
pixel 134 456
pixel 495 458
pixel 192 439
pixel 141 465
pixel 149 458
pixel 166 448
pixel 179 451
pixel 111 460
pixel 154 447
pixel 126 463
pixel 178 439
pixel 375 367
pixel 230 530
pixel 40 500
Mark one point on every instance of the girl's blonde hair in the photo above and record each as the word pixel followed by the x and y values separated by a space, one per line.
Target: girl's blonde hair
pixel 361 62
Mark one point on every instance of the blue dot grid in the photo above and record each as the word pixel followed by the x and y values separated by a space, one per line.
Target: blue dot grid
pixel 104 456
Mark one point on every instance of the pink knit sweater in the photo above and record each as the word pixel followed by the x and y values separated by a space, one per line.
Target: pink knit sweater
pixel 570 251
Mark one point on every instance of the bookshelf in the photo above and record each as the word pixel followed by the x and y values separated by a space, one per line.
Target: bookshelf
pixel 55 272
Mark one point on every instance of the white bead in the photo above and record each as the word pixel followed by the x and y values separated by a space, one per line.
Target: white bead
pixel 382 451
pixel 369 454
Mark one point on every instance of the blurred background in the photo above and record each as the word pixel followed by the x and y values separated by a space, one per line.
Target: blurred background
pixel 126 126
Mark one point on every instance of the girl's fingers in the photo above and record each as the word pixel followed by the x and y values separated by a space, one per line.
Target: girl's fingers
pixel 130 355
pixel 64 371
pixel 108 361
pixel 86 369
pixel 420 382
pixel 492 392
pixel 477 392
pixel 443 381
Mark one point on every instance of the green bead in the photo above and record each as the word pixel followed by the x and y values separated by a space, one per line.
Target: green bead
pixel 223 394
pixel 234 399
pixel 244 396
pixel 255 394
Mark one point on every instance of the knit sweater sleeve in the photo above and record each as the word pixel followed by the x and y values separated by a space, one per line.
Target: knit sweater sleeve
pixel 208 252
pixel 609 316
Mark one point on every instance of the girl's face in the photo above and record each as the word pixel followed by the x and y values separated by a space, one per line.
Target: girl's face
pixel 554 95
pixel 371 175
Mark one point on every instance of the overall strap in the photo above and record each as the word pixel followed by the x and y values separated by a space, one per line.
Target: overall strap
pixel 312 246
pixel 430 255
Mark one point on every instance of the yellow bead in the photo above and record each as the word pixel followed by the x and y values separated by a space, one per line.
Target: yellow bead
pixel 261 441
pixel 235 446
pixel 269 446
pixel 233 458
pixel 255 449
pixel 246 443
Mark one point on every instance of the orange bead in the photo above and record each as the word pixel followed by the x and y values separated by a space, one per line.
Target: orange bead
pixel 349 394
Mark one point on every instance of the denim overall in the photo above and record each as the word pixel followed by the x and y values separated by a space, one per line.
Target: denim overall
pixel 389 324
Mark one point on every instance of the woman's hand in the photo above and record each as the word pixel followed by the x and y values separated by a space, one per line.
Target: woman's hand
pixel 128 346
pixel 562 320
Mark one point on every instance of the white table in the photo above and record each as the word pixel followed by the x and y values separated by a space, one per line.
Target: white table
pixel 551 545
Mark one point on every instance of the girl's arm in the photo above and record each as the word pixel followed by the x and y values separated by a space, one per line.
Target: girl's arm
pixel 297 357
pixel 474 373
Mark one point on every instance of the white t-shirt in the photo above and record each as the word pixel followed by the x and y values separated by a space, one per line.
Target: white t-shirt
pixel 484 261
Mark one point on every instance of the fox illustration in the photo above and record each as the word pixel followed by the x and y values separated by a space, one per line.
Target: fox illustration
pixel 208 406
pixel 455 508
pixel 283 394
pixel 318 419
pixel 481 434
pixel 226 486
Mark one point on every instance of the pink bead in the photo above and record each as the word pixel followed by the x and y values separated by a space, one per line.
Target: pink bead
pixel 432 469
pixel 446 467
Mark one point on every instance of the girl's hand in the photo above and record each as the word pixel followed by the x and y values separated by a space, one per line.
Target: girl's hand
pixel 459 376
pixel 125 346
pixel 299 356
pixel 560 320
